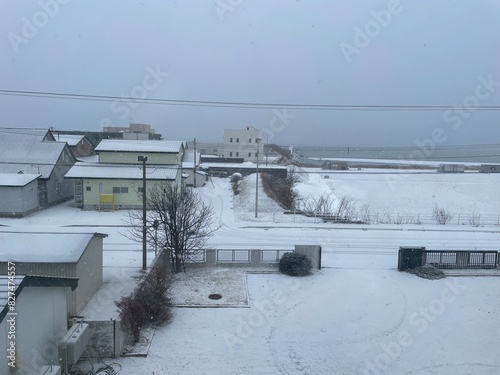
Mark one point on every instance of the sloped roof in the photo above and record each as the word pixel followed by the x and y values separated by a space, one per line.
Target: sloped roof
pixel 43 247
pixel 114 145
pixel 23 150
pixel 121 171
pixel 37 133
pixel 16 179
pixel 70 139
pixel 188 159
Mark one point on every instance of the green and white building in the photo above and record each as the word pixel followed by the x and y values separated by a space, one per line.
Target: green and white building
pixel 115 180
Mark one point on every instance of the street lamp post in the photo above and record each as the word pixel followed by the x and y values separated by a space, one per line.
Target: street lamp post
pixel 257 178
pixel 144 159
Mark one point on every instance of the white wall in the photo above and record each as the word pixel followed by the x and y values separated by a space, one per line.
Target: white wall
pixel 241 143
pixel 40 324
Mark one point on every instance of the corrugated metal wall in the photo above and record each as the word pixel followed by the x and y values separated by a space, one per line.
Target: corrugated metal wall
pixel 89 273
pixel 40 324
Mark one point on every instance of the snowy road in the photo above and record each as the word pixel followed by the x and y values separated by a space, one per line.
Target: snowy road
pixel 357 316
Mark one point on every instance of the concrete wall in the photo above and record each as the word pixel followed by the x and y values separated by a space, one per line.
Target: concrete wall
pixel 242 142
pixel 247 257
pixel 313 252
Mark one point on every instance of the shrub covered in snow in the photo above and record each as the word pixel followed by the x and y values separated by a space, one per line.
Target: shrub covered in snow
pixel 149 304
pixel 294 264
pixel 427 272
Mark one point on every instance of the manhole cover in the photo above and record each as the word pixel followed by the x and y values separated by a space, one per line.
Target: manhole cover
pixel 215 296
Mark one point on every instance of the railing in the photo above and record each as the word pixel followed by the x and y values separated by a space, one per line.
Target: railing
pixel 234 256
pixel 273 256
pixel 413 257
pixel 460 259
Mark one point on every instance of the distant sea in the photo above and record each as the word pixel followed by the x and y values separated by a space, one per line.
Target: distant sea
pixel 445 154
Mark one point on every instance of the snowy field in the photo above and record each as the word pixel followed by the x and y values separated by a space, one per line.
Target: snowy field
pixel 358 315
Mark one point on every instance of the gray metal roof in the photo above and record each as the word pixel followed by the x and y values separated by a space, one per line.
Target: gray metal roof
pixel 121 171
pixel 24 150
pixel 38 133
pixel 16 179
pixel 139 146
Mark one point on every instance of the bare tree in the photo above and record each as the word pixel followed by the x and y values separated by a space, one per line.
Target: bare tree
pixel 441 215
pixel 346 208
pixel 282 190
pixel 182 221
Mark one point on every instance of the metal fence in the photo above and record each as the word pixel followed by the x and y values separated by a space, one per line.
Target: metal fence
pixel 273 256
pixel 236 256
pixel 460 259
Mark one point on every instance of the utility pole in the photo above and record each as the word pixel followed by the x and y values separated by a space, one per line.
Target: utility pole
pixel 257 179
pixel 144 159
pixel 194 167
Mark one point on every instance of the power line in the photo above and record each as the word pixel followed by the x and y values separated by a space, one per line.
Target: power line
pixel 254 105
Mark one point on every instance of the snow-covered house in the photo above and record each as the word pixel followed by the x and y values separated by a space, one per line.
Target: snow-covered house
pixel 116 180
pixel 35 151
pixel 71 255
pixel 79 144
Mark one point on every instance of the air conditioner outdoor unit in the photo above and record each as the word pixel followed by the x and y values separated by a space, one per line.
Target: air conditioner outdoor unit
pixel 73 344
pixel 50 370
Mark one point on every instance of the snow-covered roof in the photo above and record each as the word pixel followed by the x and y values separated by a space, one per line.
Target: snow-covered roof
pixel 27 152
pixel 188 159
pixel 31 247
pixel 16 179
pixel 38 133
pixel 114 145
pixel 88 159
pixel 70 139
pixel 121 171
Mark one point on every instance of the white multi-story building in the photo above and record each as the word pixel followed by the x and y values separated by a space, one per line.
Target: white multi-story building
pixel 243 143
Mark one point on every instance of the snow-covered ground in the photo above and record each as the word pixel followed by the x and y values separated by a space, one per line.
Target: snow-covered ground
pixel 358 315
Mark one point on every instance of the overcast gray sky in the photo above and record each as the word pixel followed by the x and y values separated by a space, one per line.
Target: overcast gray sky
pixel 348 52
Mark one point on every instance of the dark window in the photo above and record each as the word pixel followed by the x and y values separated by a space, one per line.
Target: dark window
pixel 237 140
pixel 237 154
pixel 140 189
pixel 120 190
pixel 231 140
pixel 249 154
pixel 230 154
pixel 249 140
pixel 88 188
